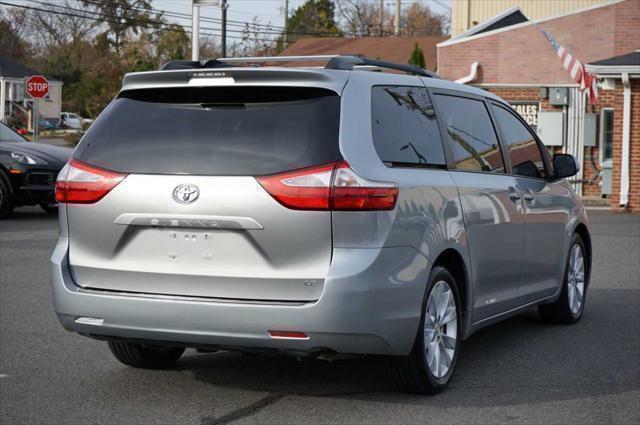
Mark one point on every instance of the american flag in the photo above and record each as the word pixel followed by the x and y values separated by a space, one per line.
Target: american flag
pixel 587 82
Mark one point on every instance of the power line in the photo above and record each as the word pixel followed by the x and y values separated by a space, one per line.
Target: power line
pixel 230 22
pixel 154 25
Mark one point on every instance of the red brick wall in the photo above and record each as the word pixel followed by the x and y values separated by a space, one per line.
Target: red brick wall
pixel 523 55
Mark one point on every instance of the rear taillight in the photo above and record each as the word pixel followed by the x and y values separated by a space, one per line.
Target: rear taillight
pixel 330 187
pixel 80 183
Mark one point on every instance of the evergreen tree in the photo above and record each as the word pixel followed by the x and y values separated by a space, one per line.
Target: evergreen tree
pixel 315 18
pixel 417 57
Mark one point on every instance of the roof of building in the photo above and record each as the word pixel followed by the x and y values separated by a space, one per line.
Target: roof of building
pixel 11 69
pixel 504 19
pixel 629 59
pixel 472 35
pixel 617 65
pixel 521 55
pixel 392 49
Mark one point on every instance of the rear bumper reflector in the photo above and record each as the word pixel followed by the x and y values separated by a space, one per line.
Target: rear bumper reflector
pixel 90 321
pixel 288 335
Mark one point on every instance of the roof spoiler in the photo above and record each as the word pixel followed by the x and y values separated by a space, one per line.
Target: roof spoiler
pixel 341 62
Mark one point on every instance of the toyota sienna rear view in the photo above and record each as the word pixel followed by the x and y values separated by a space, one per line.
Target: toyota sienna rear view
pixel 313 212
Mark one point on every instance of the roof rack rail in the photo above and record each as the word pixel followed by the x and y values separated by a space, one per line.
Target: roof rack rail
pixel 349 62
pixel 343 62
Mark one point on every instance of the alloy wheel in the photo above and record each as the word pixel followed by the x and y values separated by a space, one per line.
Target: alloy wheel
pixel 440 329
pixel 575 279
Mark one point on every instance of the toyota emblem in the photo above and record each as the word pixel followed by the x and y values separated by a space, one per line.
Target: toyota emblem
pixel 186 193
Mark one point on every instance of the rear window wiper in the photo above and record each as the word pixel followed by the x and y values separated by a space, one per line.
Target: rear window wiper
pixel 397 164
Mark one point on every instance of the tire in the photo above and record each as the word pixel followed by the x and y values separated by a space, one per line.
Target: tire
pixel 49 208
pixel 568 308
pixel 6 200
pixel 415 373
pixel 145 356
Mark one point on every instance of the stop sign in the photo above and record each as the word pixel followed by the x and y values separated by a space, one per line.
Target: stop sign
pixel 37 86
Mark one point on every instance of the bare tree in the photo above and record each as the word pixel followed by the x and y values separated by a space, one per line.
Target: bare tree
pixel 124 17
pixel 361 18
pixel 254 39
pixel 418 19
pixel 14 28
pixel 58 27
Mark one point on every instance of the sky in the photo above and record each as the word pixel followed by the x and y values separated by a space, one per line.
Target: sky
pixel 267 11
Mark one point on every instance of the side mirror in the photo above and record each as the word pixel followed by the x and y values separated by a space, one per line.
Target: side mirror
pixel 565 165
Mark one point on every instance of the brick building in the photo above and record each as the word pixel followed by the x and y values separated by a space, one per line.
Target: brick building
pixel 516 62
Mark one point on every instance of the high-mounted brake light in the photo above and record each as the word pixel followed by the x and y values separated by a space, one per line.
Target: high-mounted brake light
pixel 80 183
pixel 330 187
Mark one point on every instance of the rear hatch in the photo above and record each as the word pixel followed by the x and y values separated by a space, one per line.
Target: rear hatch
pixel 187 215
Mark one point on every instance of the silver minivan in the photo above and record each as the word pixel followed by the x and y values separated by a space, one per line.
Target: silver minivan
pixel 315 212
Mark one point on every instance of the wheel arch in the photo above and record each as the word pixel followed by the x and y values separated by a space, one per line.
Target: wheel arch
pixel 453 261
pixel 581 229
pixel 4 176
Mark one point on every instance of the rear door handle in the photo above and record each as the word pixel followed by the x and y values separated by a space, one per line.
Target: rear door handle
pixel 514 194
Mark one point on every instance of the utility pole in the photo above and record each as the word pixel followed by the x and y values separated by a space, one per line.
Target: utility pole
pixel 381 18
pixel 195 32
pixel 285 36
pixel 195 25
pixel 224 6
pixel 396 22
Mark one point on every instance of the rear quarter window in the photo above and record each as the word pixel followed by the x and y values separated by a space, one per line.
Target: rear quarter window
pixel 404 126
pixel 215 131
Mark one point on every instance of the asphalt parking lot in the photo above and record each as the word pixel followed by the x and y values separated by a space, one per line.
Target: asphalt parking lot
pixel 519 371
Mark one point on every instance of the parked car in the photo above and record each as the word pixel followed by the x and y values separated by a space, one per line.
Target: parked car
pixel 28 172
pixel 313 212
pixel 45 124
pixel 70 120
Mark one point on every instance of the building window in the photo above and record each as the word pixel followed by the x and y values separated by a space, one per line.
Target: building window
pixel 606 135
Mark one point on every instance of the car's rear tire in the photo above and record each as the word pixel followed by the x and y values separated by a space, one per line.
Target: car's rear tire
pixel 570 305
pixel 6 200
pixel 49 208
pixel 145 356
pixel 431 364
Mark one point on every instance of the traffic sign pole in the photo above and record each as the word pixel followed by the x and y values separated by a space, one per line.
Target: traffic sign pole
pixel 37 87
pixel 35 120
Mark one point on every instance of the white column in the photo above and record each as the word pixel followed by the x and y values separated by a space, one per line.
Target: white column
pixel 195 32
pixel 396 21
pixel 626 142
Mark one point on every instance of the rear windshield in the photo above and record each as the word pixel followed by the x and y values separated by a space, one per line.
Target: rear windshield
pixel 215 131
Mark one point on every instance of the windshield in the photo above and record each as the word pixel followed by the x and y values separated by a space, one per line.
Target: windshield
pixel 8 135
pixel 215 131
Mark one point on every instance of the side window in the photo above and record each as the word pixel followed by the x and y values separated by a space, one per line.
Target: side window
pixel 405 130
pixel 471 135
pixel 522 148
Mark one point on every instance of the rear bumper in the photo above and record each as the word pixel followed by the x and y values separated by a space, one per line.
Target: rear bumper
pixel 370 304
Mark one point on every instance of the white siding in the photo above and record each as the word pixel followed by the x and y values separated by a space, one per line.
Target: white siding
pixel 468 13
